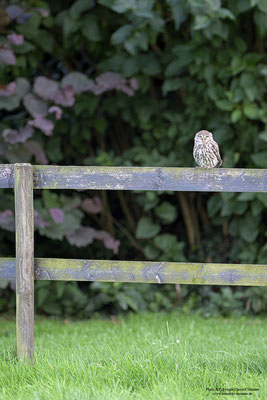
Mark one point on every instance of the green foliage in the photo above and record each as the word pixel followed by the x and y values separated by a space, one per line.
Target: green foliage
pixel 177 67
pixel 146 228
pixel 166 212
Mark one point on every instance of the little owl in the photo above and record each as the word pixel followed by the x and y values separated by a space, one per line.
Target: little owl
pixel 206 151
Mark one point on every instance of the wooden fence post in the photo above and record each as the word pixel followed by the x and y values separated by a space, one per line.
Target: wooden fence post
pixel 23 186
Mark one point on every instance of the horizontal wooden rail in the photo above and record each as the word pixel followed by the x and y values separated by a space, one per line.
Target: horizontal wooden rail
pixel 142 178
pixel 141 271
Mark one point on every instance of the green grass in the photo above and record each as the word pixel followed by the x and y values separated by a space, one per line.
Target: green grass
pixel 147 356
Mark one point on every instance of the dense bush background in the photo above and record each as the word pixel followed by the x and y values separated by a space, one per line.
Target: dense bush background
pixel 114 82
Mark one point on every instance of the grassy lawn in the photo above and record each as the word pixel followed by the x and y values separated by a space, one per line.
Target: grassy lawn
pixel 147 356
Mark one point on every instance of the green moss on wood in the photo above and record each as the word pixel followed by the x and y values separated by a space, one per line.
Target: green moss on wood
pixel 142 271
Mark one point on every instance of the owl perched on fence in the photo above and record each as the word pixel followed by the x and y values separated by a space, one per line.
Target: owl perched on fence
pixel 206 151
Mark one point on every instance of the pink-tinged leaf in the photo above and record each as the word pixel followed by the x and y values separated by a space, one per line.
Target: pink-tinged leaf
pixel 109 242
pixel 7 56
pixel 34 105
pixel 18 13
pixel 125 89
pixel 64 97
pixel 14 11
pixel 7 213
pixel 10 135
pixel 81 237
pixel 112 244
pixel 13 136
pixel 8 90
pixel 57 215
pixel 39 222
pixel 97 89
pixel 45 125
pixel 23 87
pixel 12 102
pixel 79 82
pixel 42 11
pixel 110 80
pixel 45 88
pixel 36 150
pixel 56 110
pixel 134 83
pixel 102 235
pixel 7 221
pixel 15 39
pixel 92 206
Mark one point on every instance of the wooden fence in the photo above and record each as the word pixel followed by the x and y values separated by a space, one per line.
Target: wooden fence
pixel 24 178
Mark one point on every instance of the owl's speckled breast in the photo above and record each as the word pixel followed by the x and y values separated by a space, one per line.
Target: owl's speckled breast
pixel 204 156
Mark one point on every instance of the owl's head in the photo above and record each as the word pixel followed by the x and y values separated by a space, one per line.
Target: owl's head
pixel 203 137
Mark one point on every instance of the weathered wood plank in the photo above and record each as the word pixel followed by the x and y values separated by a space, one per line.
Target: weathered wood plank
pixel 23 176
pixel 153 272
pixel 6 175
pixel 8 269
pixel 143 178
pixel 142 271
pixel 149 178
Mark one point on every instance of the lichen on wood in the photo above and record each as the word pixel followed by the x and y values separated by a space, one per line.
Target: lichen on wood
pixel 142 271
pixel 142 178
